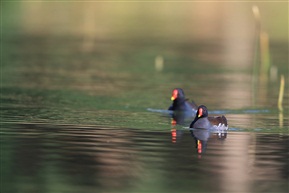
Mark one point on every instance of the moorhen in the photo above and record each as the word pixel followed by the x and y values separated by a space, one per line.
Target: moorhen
pixel 180 103
pixel 203 121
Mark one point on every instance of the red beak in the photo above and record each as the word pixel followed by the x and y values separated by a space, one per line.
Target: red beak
pixel 174 95
pixel 200 112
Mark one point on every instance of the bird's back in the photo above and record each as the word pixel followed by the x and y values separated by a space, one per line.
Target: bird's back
pixel 218 120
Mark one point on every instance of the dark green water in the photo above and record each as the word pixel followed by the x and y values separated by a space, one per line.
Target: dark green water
pixel 77 121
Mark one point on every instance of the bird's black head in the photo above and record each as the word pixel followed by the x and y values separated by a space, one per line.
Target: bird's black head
pixel 202 111
pixel 178 93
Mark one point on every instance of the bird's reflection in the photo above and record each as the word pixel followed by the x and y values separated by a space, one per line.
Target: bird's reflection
pixel 182 117
pixel 201 137
pixel 179 120
pixel 175 132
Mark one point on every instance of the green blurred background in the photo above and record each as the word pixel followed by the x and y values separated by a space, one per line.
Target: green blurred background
pixel 185 21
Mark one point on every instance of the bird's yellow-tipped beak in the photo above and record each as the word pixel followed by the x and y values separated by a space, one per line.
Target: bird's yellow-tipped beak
pixel 200 112
pixel 174 94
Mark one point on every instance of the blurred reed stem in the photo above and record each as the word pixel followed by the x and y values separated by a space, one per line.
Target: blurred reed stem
pixel 264 55
pixel 281 93
pixel 256 14
pixel 261 65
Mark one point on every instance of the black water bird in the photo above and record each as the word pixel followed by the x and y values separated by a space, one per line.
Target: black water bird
pixel 181 104
pixel 203 121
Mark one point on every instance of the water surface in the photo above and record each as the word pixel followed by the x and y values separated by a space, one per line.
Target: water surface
pixel 75 100
pixel 67 158
pixel 72 125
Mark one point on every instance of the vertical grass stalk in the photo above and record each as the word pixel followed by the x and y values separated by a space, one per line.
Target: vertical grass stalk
pixel 256 14
pixel 281 93
pixel 264 55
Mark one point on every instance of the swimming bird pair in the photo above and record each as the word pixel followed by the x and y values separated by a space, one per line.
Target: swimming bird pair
pixel 202 119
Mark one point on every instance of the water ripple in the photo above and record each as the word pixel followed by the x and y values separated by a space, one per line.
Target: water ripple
pixel 128 159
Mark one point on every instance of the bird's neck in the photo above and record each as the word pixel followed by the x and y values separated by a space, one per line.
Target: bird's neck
pixel 179 101
pixel 194 121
